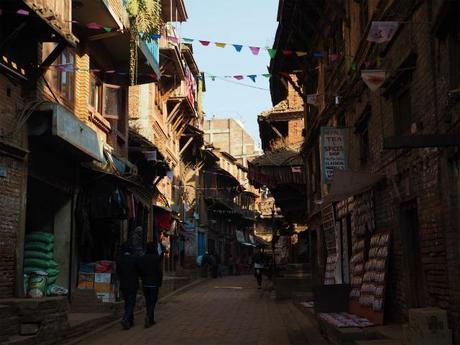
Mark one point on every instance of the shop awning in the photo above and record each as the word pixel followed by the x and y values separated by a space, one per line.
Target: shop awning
pixel 347 183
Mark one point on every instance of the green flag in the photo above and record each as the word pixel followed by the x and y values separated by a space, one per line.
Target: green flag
pixel 272 52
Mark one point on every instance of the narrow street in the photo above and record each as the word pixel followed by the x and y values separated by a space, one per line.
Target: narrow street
pixel 228 310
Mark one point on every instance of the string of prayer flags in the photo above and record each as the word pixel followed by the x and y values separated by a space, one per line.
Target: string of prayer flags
pixel 205 43
pixel 252 77
pixel 220 44
pixel 267 75
pixel 381 32
pixel 374 79
pixel 300 54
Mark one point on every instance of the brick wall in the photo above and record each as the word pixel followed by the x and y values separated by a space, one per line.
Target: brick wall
pixel 11 186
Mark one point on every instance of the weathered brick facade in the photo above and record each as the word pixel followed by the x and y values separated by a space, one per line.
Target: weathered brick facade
pixel 420 59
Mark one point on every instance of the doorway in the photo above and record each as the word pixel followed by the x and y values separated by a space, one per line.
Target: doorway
pixel 410 239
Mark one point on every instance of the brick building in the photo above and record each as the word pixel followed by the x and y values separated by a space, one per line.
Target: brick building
pixel 230 136
pixel 396 147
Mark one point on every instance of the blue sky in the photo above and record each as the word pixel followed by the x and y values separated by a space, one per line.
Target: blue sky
pixel 246 22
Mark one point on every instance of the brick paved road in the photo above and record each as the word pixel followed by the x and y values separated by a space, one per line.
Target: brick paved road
pixel 225 311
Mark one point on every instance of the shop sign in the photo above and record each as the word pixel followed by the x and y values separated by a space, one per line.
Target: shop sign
pixel 333 151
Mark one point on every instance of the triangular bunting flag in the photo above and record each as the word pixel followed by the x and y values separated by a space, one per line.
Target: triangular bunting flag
pixel 205 43
pixel 267 75
pixel 300 54
pixel 94 26
pixel 22 12
pixel 237 47
pixel 373 78
pixel 333 57
pixel 354 67
pixel 382 31
pixel 187 40
pixel 252 77
pixel 213 78
pixel 287 52
pixel 317 54
pixel 272 52
pixel 110 71
pixel 107 29
pixel 255 50
pixel 173 39
pixel 238 77
pixel 220 44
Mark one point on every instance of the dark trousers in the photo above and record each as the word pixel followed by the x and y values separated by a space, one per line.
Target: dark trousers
pixel 130 303
pixel 258 274
pixel 151 297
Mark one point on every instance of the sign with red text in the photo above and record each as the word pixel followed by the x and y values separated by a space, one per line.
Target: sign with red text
pixel 333 151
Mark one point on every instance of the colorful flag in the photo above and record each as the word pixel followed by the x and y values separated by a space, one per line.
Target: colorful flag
pixel 237 47
pixel 107 29
pixel 267 75
pixel 382 31
pixel 252 77
pixel 272 52
pixel 374 78
pixel 312 99
pixel 205 43
pixel 187 40
pixel 220 44
pixel 296 170
pixel 255 50
pixel 110 71
pixel 333 57
pixel 287 52
pixel 300 54
pixel 213 78
pixel 354 67
pixel 173 39
pixel 317 54
pixel 22 12
pixel 94 26
pixel 238 77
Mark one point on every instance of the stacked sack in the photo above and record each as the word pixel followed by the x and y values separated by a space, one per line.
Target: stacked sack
pixel 38 255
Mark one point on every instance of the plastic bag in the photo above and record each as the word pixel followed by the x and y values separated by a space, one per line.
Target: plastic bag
pixel 37 284
pixel 39 247
pixel 33 254
pixel 56 290
pixel 43 264
pixel 38 236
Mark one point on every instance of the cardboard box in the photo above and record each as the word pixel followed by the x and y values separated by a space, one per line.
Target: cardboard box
pixel 102 278
pixel 86 280
pixel 106 297
pixel 102 287
pixel 411 336
pixel 428 321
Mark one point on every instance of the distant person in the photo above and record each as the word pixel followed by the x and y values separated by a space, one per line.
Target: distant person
pixel 259 264
pixel 152 276
pixel 127 271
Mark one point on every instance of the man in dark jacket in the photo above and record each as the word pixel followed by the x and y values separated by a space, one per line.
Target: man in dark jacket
pixel 128 276
pixel 152 276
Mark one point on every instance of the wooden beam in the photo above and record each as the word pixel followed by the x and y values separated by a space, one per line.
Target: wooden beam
pixel 189 141
pixel 173 112
pixel 421 141
pixel 276 131
pixel 41 70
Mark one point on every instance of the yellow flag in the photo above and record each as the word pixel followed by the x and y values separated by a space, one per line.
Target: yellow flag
pixel 301 53
pixel 220 45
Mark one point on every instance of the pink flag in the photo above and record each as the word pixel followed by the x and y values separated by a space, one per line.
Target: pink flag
pixel 205 43
pixel 238 77
pixel 110 71
pixel 22 12
pixel 94 26
pixel 255 50
pixel 173 39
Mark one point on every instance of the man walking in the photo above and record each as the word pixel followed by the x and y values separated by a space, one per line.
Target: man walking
pixel 259 264
pixel 129 282
pixel 152 276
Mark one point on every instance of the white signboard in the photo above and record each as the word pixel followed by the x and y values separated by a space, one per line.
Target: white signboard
pixel 333 151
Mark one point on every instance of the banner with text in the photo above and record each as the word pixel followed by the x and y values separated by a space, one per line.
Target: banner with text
pixel 333 151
